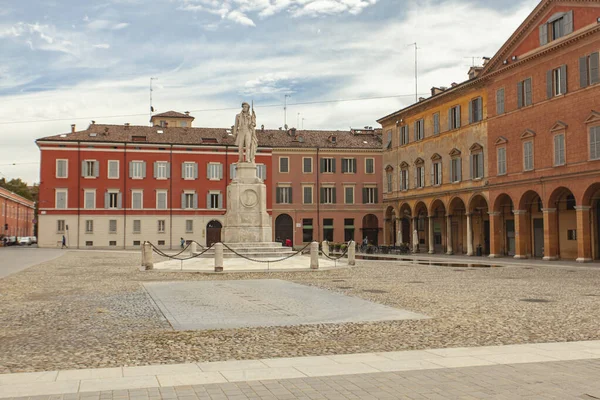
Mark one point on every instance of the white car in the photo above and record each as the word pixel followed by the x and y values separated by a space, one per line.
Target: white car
pixel 26 240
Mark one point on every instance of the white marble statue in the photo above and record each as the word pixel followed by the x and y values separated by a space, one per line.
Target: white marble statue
pixel 415 241
pixel 244 134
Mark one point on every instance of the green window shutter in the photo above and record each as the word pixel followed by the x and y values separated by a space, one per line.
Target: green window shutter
pixel 471 112
pixel 549 85
pixel 208 200
pixel 520 94
pixel 344 166
pixel 155 169
pixel 583 71
pixel 415 137
pixel 195 200
pixel 594 68
pixel 563 79
pixel 106 200
pixel 365 195
pixel 278 195
pixel 543 34
pixel 130 169
pixel 376 195
pixel 322 165
pixel 500 101
pixel 322 195
pixel 220 201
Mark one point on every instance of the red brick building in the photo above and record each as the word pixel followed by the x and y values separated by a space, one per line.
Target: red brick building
pixel 543 89
pixel 115 186
pixel 17 214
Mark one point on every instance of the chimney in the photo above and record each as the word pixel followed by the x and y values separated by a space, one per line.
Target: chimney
pixel 126 125
pixel 421 99
pixel 262 128
pixel 293 130
pixel 93 122
pixel 187 113
pixel 106 131
pixel 437 90
pixel 72 128
pixel 474 72
pixel 485 61
pixel 454 84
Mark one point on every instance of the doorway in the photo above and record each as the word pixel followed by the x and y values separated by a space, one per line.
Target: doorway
pixel 538 237
pixel 510 237
pixel 284 228
pixel 213 233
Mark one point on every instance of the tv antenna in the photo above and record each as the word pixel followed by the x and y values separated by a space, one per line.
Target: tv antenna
pixel 416 70
pixel 472 60
pixel 151 90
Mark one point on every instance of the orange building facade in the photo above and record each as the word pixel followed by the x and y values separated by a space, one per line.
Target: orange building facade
pixel 17 214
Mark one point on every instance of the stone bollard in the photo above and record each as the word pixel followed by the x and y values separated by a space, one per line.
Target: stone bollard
pixel 147 256
pixel 193 248
pixel 325 248
pixel 314 255
pixel 219 257
pixel 352 253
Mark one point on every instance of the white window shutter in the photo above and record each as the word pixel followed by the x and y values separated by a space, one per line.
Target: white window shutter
pixel 195 170
pixel 120 200
pixel 106 200
pixel 220 201
pixel 83 168
pixel 155 169
pixel 168 170
pixel 183 200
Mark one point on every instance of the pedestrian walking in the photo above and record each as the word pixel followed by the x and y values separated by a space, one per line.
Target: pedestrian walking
pixel 64 242
pixel 182 243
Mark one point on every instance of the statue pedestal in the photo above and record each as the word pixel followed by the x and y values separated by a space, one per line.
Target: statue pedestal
pixel 246 220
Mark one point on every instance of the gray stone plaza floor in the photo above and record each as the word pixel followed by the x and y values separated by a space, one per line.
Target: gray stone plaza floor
pixel 262 302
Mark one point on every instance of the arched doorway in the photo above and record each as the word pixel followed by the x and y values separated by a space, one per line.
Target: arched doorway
pixel 213 233
pixel 506 236
pixel 458 233
pixel 531 203
pixel 479 226
pixel 562 225
pixel 284 228
pixel 438 217
pixel 591 239
pixel 370 229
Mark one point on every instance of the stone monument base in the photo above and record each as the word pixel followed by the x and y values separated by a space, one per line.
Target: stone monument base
pixel 247 220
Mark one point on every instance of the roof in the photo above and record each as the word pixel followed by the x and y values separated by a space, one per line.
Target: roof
pixel 5 193
pixel 172 114
pixel 219 136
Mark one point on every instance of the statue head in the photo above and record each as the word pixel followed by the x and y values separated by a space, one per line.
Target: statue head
pixel 245 107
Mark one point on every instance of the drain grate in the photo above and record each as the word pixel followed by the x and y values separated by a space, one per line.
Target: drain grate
pixel 374 291
pixel 536 300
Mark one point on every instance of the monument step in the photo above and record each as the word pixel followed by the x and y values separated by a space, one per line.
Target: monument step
pixel 255 244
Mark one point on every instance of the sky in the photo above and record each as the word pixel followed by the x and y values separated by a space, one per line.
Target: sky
pixel 73 61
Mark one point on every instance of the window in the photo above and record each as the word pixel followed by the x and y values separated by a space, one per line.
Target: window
pixel 556 81
pixel 475 110
pixel 307 230
pixel 348 165
pixel 89 243
pixel 348 229
pixel 61 198
pixel 559 25
pixel 307 165
pixel 161 226
pixel 214 171
pixel 369 165
pixel 389 140
pixel 189 170
pixel 589 70
pixel 528 156
pixel 370 195
pixel 403 135
pixel 163 123
pixel 477 165
pixel 559 149
pixel 307 196
pixel 189 226
pixel 389 181
pixel 420 176
pixel 189 200
pixel 61 168
pixel 500 101
pixel 595 143
pixel 436 173
pixel 524 93
pixel 284 165
pixel 89 226
pixel 60 226
pixel 137 169
pixel 215 200
pixel 436 123
pixel 328 165
pixel 283 195
pixel 162 170
pixel 419 129
pixel 113 169
pixel 161 200
pixel 571 234
pixel 328 229
pixel 112 226
pixel 456 169
pixel 137 200
pixel 261 171
pixel 89 199
pixel 501 160
pixel 161 242
pixel 112 199
pixel 183 124
pixel 328 195
pixel 349 195
pixel 454 118
pixel 137 226
pixel 404 184
pixel 90 169
pixel 137 242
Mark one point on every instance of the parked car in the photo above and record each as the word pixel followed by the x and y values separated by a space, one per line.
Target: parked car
pixel 9 240
pixel 25 240
pixel 33 239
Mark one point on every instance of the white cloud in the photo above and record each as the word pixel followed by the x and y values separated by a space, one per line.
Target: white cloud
pixel 101 46
pixel 103 24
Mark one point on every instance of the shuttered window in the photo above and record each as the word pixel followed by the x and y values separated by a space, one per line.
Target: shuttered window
pixel 454 118
pixel 328 195
pixel 370 195
pixel 404 183
pixel 189 201
pixel 307 195
pixel 436 173
pixel 501 155
pixel 137 226
pixel 404 139
pixel 419 132
pixel 369 165
pixel 559 149
pixel 349 195
pixel 90 199
pixel 477 165
pixel 420 176
pixel 161 200
pixel 162 170
pixel 557 26
pixel 214 171
pixel 284 164
pixel 436 123
pixel 349 165
pixel 524 93
pixel 589 70
pixel 61 168
pixel 61 199
pixel 595 143
pixel 112 226
pixel 556 81
pixel 500 101
pixel 89 226
pixel 189 170
pixel 528 156
pixel 261 171
pixel 456 170
pixel 137 169
pixel 283 195
pixel 307 165
pixel 90 169
pixel 475 110
pixel 327 165
pixel 189 226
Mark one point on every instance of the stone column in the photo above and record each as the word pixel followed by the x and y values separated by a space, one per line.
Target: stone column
pixel 469 235
pixel 584 245
pixel 495 235
pixel 399 233
pixel 415 235
pixel 325 247
pixel 314 255
pixel 430 238
pixel 193 248
pixel 550 227
pixel 450 250
pixel 219 257
pixel 351 253
pixel 147 262
pixel 522 237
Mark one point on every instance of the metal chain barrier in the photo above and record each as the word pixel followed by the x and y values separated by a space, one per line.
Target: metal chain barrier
pixel 174 257
pixel 266 261
pixel 340 257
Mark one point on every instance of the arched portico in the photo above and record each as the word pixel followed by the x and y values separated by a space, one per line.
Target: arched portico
pixel 478 226
pixel 456 231
pixel 437 227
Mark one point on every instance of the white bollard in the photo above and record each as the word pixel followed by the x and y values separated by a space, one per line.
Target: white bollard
pixel 325 248
pixel 147 256
pixel 193 248
pixel 219 257
pixel 314 255
pixel 352 253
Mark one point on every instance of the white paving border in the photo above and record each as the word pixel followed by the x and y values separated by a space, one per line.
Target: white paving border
pixel 91 380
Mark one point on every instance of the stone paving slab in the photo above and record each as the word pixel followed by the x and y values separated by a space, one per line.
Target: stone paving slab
pixel 428 368
pixel 260 303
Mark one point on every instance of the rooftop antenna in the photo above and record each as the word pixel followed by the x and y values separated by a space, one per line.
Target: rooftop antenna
pixel 472 60
pixel 303 123
pixel 285 109
pixel 416 71
pixel 151 90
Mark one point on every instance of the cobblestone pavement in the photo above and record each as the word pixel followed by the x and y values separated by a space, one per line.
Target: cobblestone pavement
pixel 90 310
pixel 551 380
